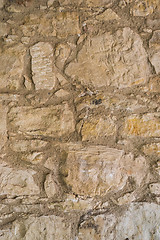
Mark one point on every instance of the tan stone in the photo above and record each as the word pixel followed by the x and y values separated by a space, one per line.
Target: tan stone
pixel 155 40
pixel 54 121
pixel 35 228
pixel 1 3
pixel 97 128
pixel 144 8
pixel 126 199
pixel 42 65
pixel 146 126
pixel 17 181
pixel 3 125
pixel 107 15
pixel 153 148
pixel 18 145
pixel 11 67
pixel 99 3
pixel 154 84
pixel 62 53
pixel 4 29
pixel 50 186
pixel 100 64
pixel 95 170
pixel 66 24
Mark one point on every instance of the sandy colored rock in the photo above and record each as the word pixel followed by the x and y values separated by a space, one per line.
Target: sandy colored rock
pixel 108 15
pixel 66 24
pixel 97 170
pixel 153 148
pixel 4 29
pixel 54 121
pixel 17 181
pixel 155 40
pixel 143 8
pixel 11 67
pixel 100 64
pixel 146 126
pixel 1 3
pixel 3 125
pixel 42 65
pixel 154 84
pixel 97 128
pixel 99 3
pixel 155 188
pixel 141 221
pixel 34 228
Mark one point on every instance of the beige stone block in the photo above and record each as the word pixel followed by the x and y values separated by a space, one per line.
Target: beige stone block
pixel 66 24
pixel 97 128
pixel 146 126
pixel 155 40
pixel 42 65
pixel 140 221
pixel 11 67
pixel 35 228
pixel 153 148
pixel 17 181
pixel 95 170
pixel 50 186
pixel 117 59
pixel 54 121
pixel 3 125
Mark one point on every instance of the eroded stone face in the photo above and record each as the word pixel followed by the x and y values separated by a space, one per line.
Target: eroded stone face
pixel 53 121
pixel 141 221
pixel 11 67
pixel 97 170
pixel 42 65
pixel 118 60
pixel 17 181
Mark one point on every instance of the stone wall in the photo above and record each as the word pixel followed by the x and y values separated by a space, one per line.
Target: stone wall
pixel 79 119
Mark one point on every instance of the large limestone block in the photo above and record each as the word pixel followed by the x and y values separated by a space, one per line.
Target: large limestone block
pixel 11 67
pixel 42 65
pixel 141 221
pixel 17 181
pixel 54 121
pixel 36 228
pixel 3 125
pixel 111 59
pixel 95 170
pixel 146 126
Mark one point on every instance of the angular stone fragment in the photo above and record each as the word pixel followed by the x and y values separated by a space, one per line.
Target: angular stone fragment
pixel 146 126
pixel 154 84
pixel 36 228
pixel 66 24
pixel 96 170
pixel 50 186
pixel 97 128
pixel 1 3
pixel 107 15
pixel 118 60
pixel 141 221
pixel 42 65
pixel 99 3
pixel 3 125
pixel 11 67
pixel 54 121
pixel 155 188
pixel 155 40
pixel 17 182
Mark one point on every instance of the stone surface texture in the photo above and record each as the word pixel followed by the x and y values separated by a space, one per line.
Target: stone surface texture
pixel 79 119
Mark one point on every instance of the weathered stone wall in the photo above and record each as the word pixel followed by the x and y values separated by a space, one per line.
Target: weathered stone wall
pixel 79 119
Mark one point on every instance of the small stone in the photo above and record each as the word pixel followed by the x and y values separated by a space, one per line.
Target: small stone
pixel 1 3
pixel 143 8
pixel 42 65
pixel 153 148
pixel 108 15
pixel 50 186
pixel 155 40
pixel 154 84
pixel 3 125
pixel 99 3
pixel 146 126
